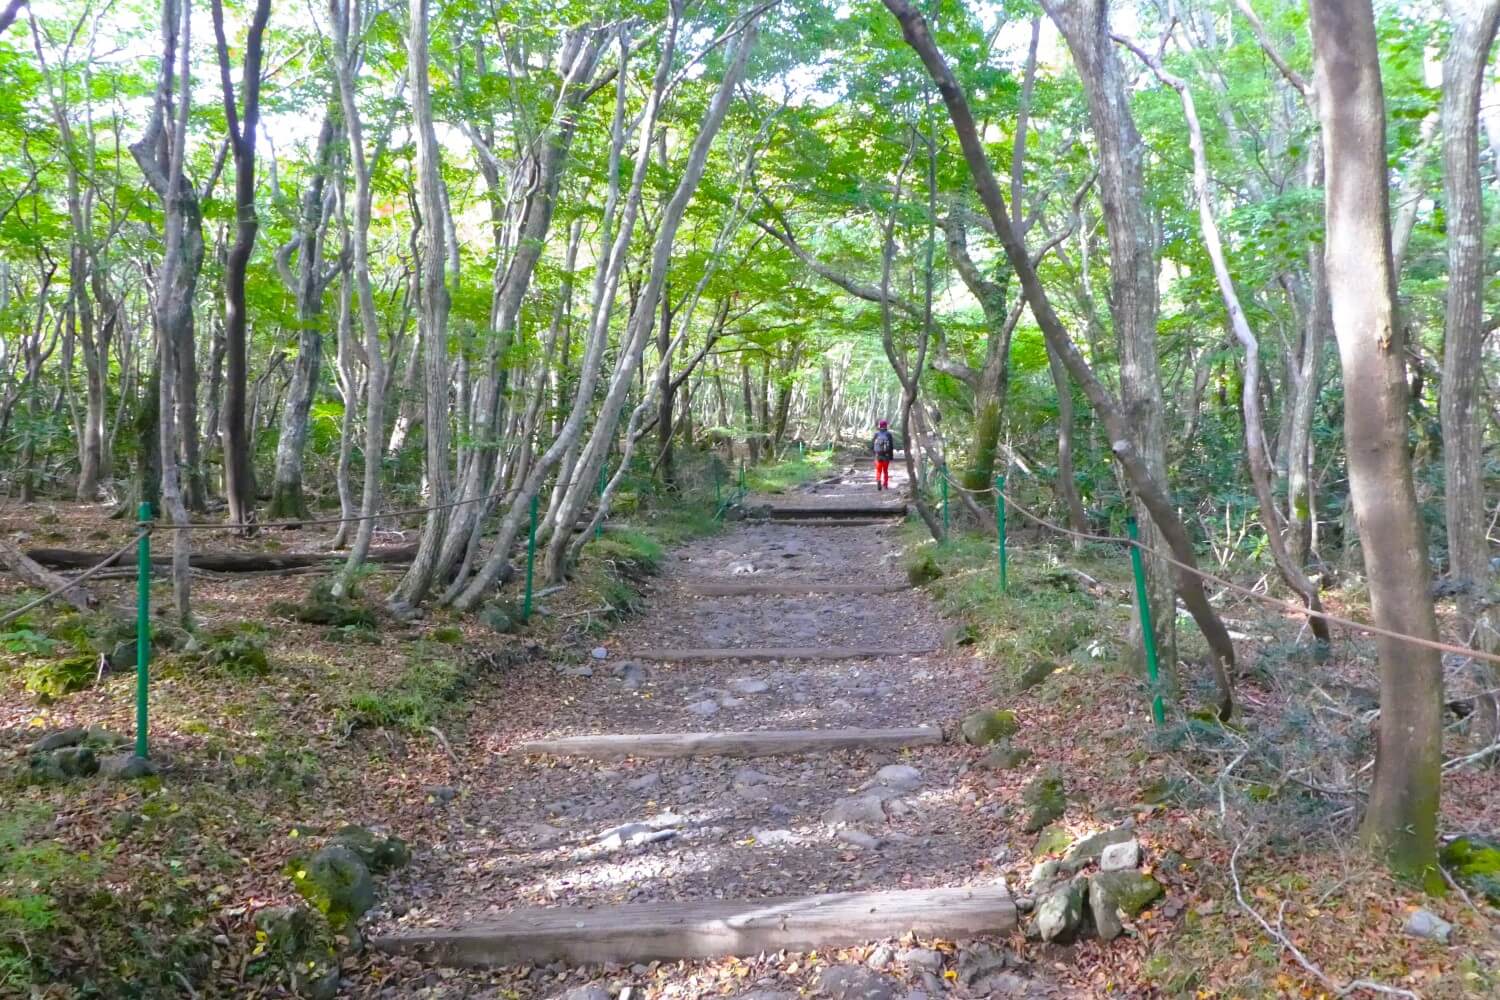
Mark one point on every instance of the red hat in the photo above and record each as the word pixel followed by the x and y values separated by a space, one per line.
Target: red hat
pixel 882 425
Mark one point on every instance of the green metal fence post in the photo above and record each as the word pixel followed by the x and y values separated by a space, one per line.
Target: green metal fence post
pixel 943 476
pixel 718 489
pixel 530 561
pixel 142 630
pixel 1148 633
pixel 1000 529
pixel 743 489
pixel 599 523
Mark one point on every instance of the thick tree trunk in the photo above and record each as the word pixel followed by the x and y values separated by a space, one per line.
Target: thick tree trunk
pixel 1401 817
pixel 1474 26
pixel 1149 487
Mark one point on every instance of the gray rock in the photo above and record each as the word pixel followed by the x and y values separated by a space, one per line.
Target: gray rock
pixel 599 653
pixel 902 777
pixel 441 794
pixel 583 671
pixel 729 701
pixel 125 767
pixel 750 777
pixel 856 809
pixel 644 782
pixel 59 738
pixel 1045 871
pixel 749 685
pixel 854 982
pixel 1059 913
pixel 703 709
pixel 1089 849
pixel 1426 924
pixel 978 964
pixel 775 838
pixel 856 837
pixel 922 959
pixel 337 877
pixel 1120 857
pixel 765 995
pixel 622 667
pixel 633 834
pixel 75 762
pixel 1117 893
pixel 593 991
pixel 880 957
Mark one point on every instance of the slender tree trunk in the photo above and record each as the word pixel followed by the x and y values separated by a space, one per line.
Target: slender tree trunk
pixel 1474 26
pixel 1149 487
pixel 1401 817
pixel 239 485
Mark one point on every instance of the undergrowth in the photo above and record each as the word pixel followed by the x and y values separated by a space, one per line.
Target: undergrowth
pixel 793 470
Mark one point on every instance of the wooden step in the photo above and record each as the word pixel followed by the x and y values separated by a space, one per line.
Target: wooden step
pixel 786 588
pixel 776 653
pixel 795 512
pixel 644 932
pixel 751 743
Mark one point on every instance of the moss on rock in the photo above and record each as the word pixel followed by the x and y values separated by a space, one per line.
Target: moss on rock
pixel 986 727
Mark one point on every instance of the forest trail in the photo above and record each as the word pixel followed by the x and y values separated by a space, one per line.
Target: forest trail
pixel 678 850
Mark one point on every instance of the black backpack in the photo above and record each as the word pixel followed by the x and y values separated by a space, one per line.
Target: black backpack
pixel 885 445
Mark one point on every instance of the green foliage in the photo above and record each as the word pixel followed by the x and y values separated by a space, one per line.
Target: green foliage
pixel 237 650
pixel 322 608
pixel 50 680
pixel 793 470
pixel 419 697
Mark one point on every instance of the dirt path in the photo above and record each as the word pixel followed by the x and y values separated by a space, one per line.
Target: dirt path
pixel 543 831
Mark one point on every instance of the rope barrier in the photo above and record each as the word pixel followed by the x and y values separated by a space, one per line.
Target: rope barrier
pixel 78 580
pixel 1276 602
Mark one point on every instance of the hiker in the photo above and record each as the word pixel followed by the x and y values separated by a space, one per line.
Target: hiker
pixel 884 447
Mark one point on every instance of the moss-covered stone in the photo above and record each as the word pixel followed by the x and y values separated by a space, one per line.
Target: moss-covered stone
pixel 238 650
pixel 1046 800
pixel 923 569
pixel 500 616
pixel 1475 861
pixel 300 941
pixel 380 854
pixel 64 763
pixel 1052 840
pixel 1033 675
pixel 1088 850
pixel 1127 891
pixel 448 634
pixel 1005 757
pixel 322 608
pixel 336 883
pixel 986 727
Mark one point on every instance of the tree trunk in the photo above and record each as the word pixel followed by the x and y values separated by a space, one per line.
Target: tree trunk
pixel 433 303
pixel 1401 817
pixel 239 484
pixel 1474 26
pixel 1149 487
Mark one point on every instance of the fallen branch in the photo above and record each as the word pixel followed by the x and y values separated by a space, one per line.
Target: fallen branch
pixel 221 562
pixel 34 573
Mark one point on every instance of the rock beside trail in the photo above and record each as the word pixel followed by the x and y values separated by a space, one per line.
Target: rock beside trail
pixel 749 685
pixel 1112 894
pixel 855 837
pixel 1121 857
pixel 704 709
pixel 1053 839
pixel 57 739
pixel 869 808
pixel 1428 925
pixel 901 777
pixel 337 883
pixel 1046 799
pixel 1090 849
pixel 125 767
pixel 633 834
pixel 64 763
pixel 1005 757
pixel 593 991
pixel 855 982
pixel 922 959
pixel 979 965
pixel 1059 914
pixel 986 727
pixel 379 854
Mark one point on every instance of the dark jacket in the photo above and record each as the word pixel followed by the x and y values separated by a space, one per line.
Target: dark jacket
pixel 884 445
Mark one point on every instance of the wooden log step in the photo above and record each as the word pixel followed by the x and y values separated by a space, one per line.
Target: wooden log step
pixel 776 653
pixel 751 743
pixel 796 512
pixel 644 932
pixel 786 588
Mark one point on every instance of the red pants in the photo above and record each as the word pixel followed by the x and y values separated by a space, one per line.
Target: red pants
pixel 883 472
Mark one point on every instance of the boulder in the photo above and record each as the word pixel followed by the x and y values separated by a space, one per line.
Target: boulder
pixel 705 708
pixel 1089 849
pixel 855 837
pixel 74 762
pixel 1059 914
pixel 125 767
pixel 978 966
pixel 749 685
pixel 983 728
pixel 922 959
pixel 592 991
pixel 1121 857
pixel 379 854
pixel 1005 757
pixel 336 882
pixel 1476 861
pixel 901 777
pixel 1428 925
pixel 440 794
pixel 59 738
pixel 855 982
pixel 1035 674
pixel 1052 840
pixel 1046 799
pixel 869 808
pixel 1112 894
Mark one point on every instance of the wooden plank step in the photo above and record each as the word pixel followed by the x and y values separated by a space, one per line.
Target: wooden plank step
pixel 776 653
pixel 791 512
pixel 834 522
pixel 751 743
pixel 644 932
pixel 786 588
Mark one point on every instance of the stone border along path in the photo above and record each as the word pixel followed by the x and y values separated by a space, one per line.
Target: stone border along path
pixel 623 829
